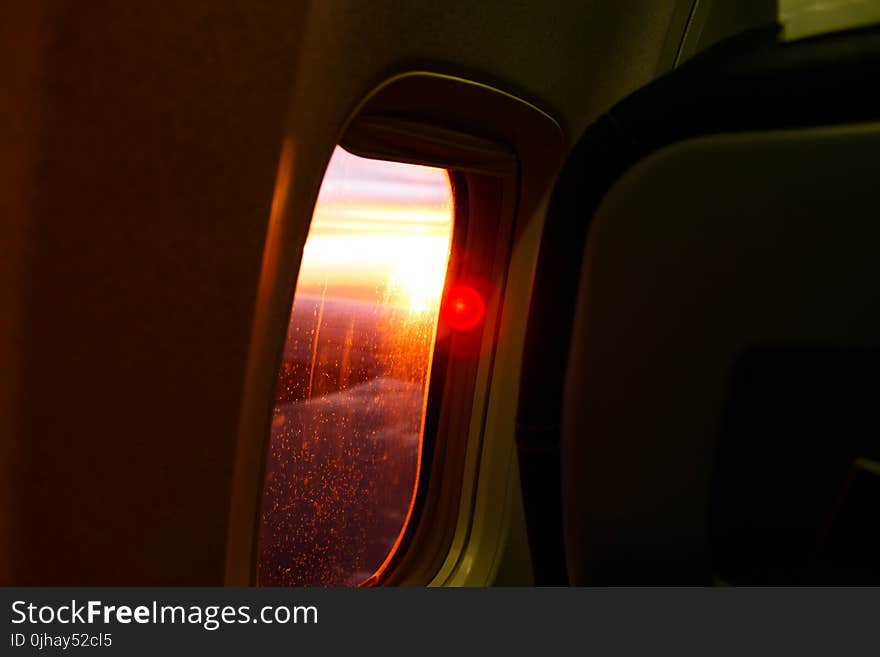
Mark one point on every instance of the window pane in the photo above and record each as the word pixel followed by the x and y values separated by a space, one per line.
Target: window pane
pixel 346 438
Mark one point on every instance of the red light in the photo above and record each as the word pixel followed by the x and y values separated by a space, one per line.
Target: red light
pixel 463 308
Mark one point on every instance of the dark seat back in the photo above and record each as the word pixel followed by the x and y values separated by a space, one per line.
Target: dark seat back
pixel 719 234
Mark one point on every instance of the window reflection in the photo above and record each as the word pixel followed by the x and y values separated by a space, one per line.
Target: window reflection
pixel 346 434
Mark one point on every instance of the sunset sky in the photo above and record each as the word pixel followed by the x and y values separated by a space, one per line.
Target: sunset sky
pixel 380 229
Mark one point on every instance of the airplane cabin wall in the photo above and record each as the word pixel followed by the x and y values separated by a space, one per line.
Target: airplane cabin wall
pixel 141 147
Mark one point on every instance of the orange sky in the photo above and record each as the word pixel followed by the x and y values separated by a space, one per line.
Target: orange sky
pixel 379 227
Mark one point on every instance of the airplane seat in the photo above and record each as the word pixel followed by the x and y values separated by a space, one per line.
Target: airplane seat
pixel 719 410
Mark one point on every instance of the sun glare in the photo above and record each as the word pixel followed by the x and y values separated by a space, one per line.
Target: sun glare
pixel 417 278
pixel 383 238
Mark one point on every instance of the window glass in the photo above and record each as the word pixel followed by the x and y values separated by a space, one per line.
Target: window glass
pixel 346 436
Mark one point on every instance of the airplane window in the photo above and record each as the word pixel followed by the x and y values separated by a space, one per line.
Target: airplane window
pixel 346 436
